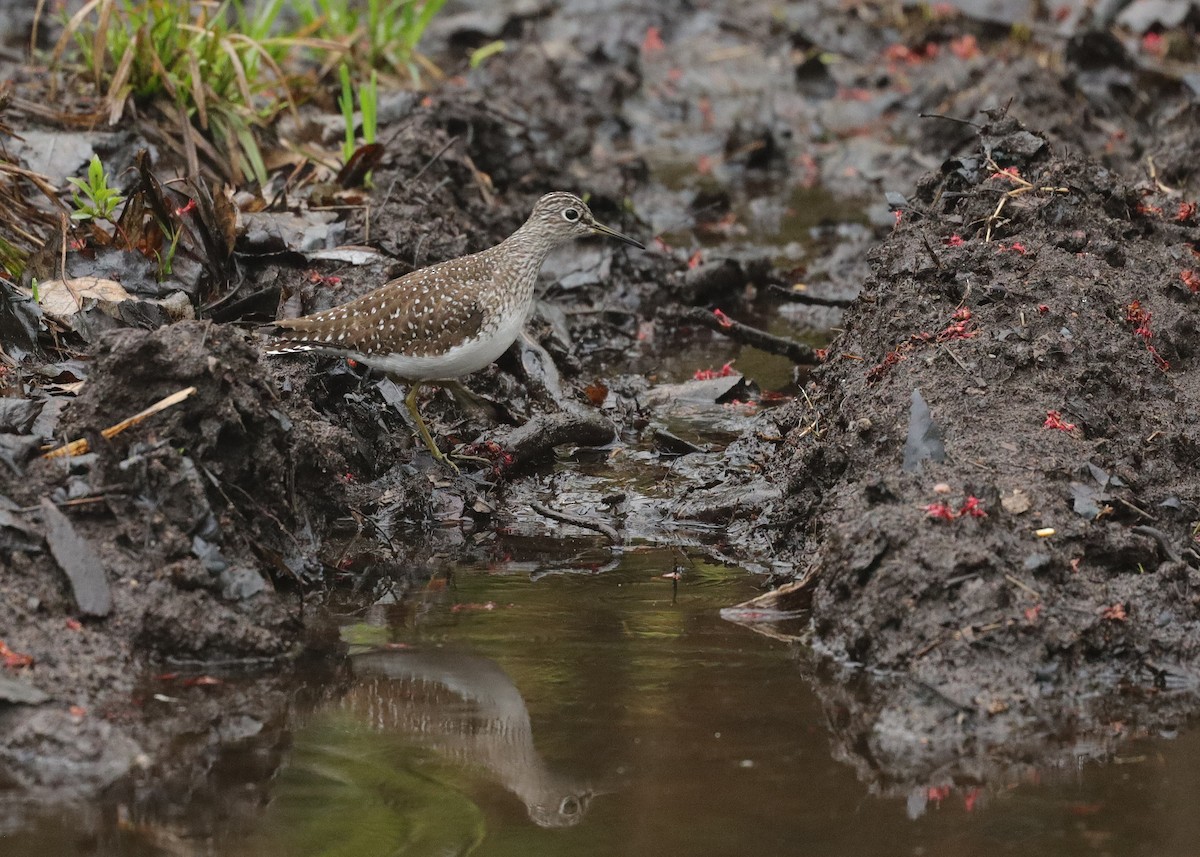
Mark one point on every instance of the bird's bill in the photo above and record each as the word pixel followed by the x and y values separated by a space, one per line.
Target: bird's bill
pixel 612 233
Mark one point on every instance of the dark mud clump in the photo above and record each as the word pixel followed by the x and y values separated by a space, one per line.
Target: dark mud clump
pixel 1029 574
pixel 190 517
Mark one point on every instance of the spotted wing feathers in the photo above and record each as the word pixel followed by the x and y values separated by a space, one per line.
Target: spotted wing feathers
pixel 422 314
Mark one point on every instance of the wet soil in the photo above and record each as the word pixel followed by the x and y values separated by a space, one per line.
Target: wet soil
pixel 1007 566
pixel 955 646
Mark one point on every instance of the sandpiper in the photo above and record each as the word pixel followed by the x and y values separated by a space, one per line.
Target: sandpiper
pixel 450 319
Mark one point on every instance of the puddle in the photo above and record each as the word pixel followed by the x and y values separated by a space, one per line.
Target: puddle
pixel 532 708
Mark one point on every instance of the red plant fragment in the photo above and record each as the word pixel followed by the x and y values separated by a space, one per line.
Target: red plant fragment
pixel 972 507
pixel 1114 613
pixel 1135 314
pixel 1055 421
pixel 78 712
pixel 1187 210
pixel 1149 210
pixel 1152 43
pixel 889 360
pixel 652 42
pixel 958 330
pixel 1043 309
pixel 954 240
pixel 74 625
pixel 939 793
pixel 14 660
pixel 1032 613
pixel 971 797
pixel 695 259
pixel 965 47
pixel 1191 279
pixel 708 374
pixel 724 320
pixel 1159 361
pixel 940 511
pixel 1006 173
pixel 201 681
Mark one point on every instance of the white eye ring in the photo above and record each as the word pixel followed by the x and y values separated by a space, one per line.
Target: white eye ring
pixel 571 215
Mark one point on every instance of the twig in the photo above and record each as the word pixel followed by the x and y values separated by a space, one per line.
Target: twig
pixel 1037 596
pixel 929 249
pixel 806 298
pixel 67 504
pixel 744 333
pixel 956 359
pixel 577 520
pixel 1025 187
pixel 79 447
pixel 974 125
pixel 1142 513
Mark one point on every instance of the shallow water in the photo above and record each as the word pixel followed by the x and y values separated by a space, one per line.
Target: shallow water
pixel 528 709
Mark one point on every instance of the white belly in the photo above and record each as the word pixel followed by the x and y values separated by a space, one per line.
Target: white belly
pixel 461 360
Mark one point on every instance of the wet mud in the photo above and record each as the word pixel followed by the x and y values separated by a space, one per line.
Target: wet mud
pixel 1000 571
pixel 1018 547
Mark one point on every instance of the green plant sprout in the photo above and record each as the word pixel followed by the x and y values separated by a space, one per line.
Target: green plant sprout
pixel 482 54
pixel 218 63
pixel 98 200
pixel 12 258
pixel 166 259
pixel 368 104
pixel 384 35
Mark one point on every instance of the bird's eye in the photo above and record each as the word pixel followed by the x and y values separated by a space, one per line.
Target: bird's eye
pixel 571 214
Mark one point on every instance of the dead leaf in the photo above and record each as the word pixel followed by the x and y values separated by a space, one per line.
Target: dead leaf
pixel 1016 503
pixel 61 299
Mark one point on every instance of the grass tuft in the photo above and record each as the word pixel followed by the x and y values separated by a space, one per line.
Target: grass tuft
pixel 382 36
pixel 218 62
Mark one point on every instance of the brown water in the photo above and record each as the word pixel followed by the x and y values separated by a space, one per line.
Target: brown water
pixel 521 710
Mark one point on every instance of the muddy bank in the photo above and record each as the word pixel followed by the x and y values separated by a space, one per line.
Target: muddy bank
pixel 190 529
pixel 222 521
pixel 992 487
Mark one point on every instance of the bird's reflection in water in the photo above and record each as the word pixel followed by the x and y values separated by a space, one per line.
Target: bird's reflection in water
pixel 467 710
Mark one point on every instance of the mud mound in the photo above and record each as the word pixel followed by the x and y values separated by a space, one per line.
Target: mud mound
pixel 1042 554
pixel 190 520
pixel 233 448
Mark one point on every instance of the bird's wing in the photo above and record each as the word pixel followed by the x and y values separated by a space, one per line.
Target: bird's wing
pixel 422 314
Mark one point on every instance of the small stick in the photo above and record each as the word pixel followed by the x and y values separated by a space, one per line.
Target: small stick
pixel 1024 586
pixel 974 125
pixel 744 333
pixel 805 298
pixel 79 447
pixel 577 520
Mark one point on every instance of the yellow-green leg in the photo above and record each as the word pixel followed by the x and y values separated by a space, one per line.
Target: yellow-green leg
pixel 411 402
